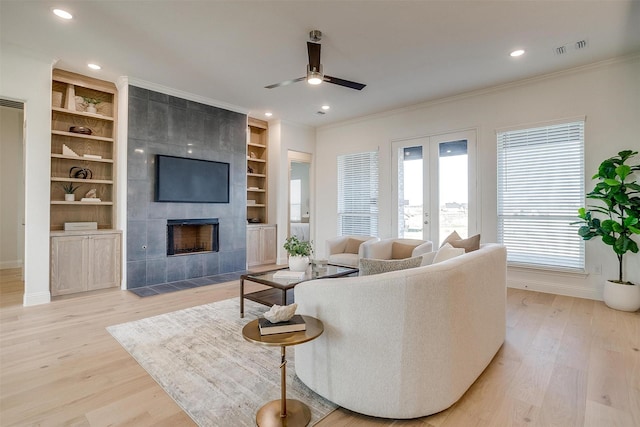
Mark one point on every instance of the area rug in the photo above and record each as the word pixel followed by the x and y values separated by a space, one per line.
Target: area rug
pixel 199 357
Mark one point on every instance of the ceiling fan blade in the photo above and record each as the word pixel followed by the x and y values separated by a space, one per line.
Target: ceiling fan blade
pixel 285 83
pixel 314 56
pixel 345 83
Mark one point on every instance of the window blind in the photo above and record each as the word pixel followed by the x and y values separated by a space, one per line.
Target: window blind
pixel 540 188
pixel 358 194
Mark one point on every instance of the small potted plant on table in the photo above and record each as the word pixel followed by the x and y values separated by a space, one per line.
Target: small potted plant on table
pixel 619 192
pixel 299 253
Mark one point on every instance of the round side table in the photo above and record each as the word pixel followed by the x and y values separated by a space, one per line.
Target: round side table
pixel 283 412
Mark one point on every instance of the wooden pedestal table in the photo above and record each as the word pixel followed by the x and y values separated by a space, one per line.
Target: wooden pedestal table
pixel 283 412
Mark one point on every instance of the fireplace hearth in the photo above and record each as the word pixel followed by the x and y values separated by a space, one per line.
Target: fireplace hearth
pixel 192 236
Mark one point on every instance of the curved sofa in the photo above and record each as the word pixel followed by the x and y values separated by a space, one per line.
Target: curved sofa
pixel 409 343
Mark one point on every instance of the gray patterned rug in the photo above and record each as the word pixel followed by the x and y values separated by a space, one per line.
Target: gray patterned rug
pixel 199 357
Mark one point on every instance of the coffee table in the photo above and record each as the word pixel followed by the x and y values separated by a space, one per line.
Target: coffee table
pixel 281 291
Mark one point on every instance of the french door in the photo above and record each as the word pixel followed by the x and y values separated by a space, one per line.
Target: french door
pixel 435 186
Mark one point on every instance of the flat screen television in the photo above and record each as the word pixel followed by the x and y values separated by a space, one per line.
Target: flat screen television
pixel 183 180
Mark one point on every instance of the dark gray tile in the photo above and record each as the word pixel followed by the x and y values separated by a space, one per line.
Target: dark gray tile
pixel 201 281
pixel 156 271
pixel 158 122
pixel 184 284
pixel 211 264
pixel 144 291
pixel 138 92
pixel 137 163
pixel 156 238
pixel 136 240
pixel 195 127
pixel 194 266
pixel 136 274
pixel 165 288
pixel 177 102
pixel 138 118
pixel 178 126
pixel 160 97
pixel 176 268
pixel 197 106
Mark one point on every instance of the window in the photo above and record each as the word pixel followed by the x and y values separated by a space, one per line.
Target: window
pixel 358 194
pixel 540 188
pixel 295 198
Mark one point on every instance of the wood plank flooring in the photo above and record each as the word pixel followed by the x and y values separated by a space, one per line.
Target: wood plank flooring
pixel 566 362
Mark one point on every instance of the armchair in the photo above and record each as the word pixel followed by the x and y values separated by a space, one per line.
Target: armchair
pixel 347 250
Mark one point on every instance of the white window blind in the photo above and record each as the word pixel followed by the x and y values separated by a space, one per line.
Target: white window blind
pixel 358 194
pixel 540 188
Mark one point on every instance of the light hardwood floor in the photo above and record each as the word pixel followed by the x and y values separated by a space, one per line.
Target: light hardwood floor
pixel 566 362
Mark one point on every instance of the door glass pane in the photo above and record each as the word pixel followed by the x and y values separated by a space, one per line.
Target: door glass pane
pixel 453 167
pixel 410 194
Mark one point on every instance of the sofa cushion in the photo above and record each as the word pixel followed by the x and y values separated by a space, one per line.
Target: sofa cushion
pixel 469 245
pixel 369 267
pixel 446 252
pixel 353 246
pixel 349 260
pixel 401 250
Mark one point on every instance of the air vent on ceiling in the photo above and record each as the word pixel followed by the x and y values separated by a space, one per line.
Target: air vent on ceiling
pixel 321 113
pixel 570 47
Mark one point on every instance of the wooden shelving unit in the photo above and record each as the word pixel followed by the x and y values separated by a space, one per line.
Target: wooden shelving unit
pixel 69 109
pixel 257 192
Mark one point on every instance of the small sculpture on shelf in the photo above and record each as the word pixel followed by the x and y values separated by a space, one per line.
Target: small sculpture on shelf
pixel 80 172
pixel 91 196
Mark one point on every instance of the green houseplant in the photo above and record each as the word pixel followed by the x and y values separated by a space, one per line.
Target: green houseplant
pixel 69 191
pixel 91 103
pixel 299 253
pixel 616 219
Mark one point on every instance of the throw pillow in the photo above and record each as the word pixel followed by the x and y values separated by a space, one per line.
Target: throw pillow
pixel 353 246
pixel 401 250
pixel 450 237
pixel 369 266
pixel 469 245
pixel 446 252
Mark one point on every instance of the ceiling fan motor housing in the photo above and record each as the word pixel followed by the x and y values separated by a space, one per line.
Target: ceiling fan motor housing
pixel 315 35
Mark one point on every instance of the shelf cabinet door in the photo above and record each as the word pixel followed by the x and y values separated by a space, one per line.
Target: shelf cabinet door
pixel 104 261
pixel 68 265
pixel 253 246
pixel 268 238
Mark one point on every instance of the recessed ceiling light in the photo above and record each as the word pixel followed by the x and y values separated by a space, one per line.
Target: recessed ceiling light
pixel 325 107
pixel 268 114
pixel 94 66
pixel 62 14
pixel 516 53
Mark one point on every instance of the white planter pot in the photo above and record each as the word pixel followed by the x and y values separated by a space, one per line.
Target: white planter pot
pixel 91 108
pixel 69 197
pixel 622 297
pixel 298 263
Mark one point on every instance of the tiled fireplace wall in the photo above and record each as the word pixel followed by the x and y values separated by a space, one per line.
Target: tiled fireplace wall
pixel 163 124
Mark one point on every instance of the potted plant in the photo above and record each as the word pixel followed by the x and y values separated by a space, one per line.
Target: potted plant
pixel 619 195
pixel 69 191
pixel 299 253
pixel 91 104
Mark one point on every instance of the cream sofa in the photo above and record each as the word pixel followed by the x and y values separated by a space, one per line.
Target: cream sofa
pixel 406 343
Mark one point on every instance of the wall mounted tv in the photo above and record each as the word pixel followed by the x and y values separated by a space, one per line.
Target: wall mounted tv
pixel 183 180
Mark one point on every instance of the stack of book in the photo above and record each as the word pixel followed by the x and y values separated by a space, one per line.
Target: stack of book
pixel 295 324
pixel 289 275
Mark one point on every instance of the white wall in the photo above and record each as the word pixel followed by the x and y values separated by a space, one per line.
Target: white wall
pixel 11 188
pixel 608 94
pixel 27 77
pixel 285 136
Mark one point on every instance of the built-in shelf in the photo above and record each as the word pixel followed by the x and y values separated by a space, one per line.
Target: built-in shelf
pixel 81 135
pixel 81 114
pixel 80 180
pixel 257 166
pixel 257 175
pixel 79 203
pixel 81 158
pixel 256 160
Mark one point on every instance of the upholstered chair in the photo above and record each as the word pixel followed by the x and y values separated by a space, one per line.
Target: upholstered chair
pixel 396 248
pixel 347 250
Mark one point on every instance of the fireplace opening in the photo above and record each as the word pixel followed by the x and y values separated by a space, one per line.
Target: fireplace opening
pixel 191 236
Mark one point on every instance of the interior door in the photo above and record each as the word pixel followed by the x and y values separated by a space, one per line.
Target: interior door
pixel 435 186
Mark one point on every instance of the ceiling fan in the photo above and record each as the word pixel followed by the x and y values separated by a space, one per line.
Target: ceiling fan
pixel 315 74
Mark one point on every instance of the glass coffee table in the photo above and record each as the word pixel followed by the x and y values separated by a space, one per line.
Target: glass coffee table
pixel 281 289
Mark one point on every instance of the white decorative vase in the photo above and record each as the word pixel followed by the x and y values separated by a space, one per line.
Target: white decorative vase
pixel 69 197
pixel 298 263
pixel 622 297
pixel 91 108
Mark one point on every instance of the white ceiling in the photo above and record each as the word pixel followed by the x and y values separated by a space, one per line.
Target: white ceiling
pixel 407 52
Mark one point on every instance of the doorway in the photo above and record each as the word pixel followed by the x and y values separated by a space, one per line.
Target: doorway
pixel 12 187
pixel 435 186
pixel 299 195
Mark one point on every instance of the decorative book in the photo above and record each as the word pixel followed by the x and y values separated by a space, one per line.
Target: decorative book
pixel 295 324
pixel 90 199
pixel 285 274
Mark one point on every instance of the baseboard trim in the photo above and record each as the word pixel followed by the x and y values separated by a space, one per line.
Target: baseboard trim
pixel 554 288
pixel 36 298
